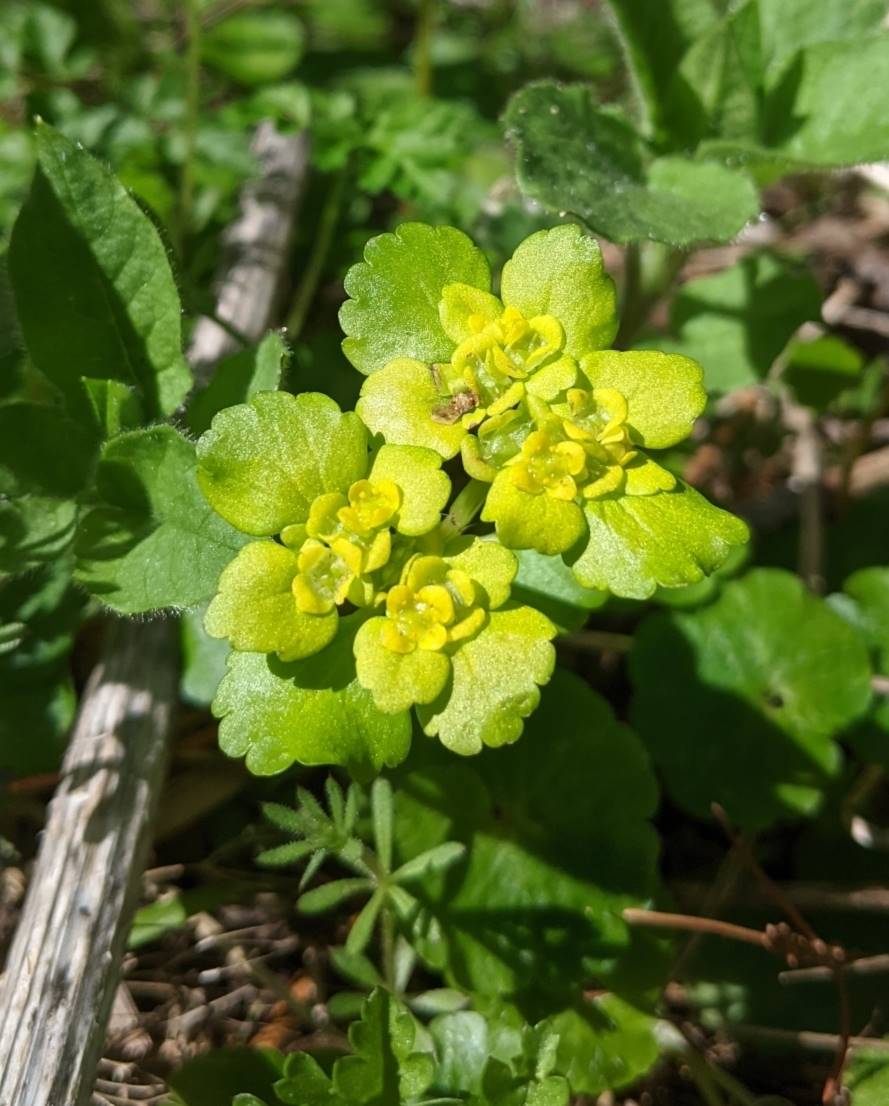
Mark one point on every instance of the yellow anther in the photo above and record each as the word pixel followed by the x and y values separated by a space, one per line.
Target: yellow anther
pixel 432 607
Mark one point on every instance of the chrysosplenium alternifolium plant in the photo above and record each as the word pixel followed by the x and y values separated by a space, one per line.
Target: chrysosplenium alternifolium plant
pixel 355 588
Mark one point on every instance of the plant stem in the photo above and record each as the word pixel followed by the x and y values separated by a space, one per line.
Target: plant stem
pixel 600 641
pixel 660 920
pixel 464 508
pixel 702 1074
pixel 387 941
pixel 422 47
pixel 192 110
pixel 308 284
pixel 649 274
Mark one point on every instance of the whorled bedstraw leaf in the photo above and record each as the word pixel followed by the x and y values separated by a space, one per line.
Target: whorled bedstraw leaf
pixel 557 845
pixel 637 543
pixel 737 322
pixel 312 711
pixel 93 286
pixel 739 702
pixel 238 378
pixel 263 462
pixel 46 461
pixel 494 683
pixel 395 291
pixel 575 156
pixel 149 540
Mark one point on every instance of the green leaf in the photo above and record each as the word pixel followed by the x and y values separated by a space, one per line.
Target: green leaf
pixel 820 370
pixel 639 542
pixel 548 584
pixel 664 392
pixel 574 156
pixel 424 487
pixel 331 895
pixel 394 294
pixel 254 47
pixel 149 540
pixel 434 860
pixel 732 715
pixel 826 109
pixel 494 685
pixel 787 26
pixel 867 1077
pixel 263 462
pixel 557 845
pixel 526 521
pixel 398 402
pixel 95 294
pixel 604 1044
pixel 737 322
pixel 385 1068
pixel 488 563
pixel 255 608
pixel 217 1076
pixel 238 378
pixel 560 272
pixel 305 1083
pixel 313 711
pixel 203 659
pixel 46 461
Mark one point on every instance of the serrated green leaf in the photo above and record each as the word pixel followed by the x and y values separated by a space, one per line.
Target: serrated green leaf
pixel 489 565
pixel 149 540
pixel 254 47
pixel 424 487
pixel 639 542
pixel 490 694
pixel 238 378
pixel 305 1083
pixel 867 1077
pixel 732 715
pixel 575 156
pixel 557 845
pixel 394 294
pixel 737 322
pixel 559 272
pixel 385 1068
pixel 255 608
pixel 93 286
pixel 312 711
pixel 263 462
pixel 664 392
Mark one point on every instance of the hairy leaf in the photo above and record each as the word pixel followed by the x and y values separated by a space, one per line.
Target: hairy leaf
pixel 95 294
pixel 149 540
pixel 574 156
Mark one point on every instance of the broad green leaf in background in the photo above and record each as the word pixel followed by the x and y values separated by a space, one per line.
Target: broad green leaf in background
pixel 737 322
pixel 733 715
pixel 577 157
pixel 818 371
pixel 558 843
pixel 46 461
pixel 216 1077
pixel 203 659
pixel 867 1077
pixel 236 379
pixel 394 294
pixel 548 584
pixel 254 47
pixel 150 540
pixel 312 711
pixel 92 281
pixel 787 26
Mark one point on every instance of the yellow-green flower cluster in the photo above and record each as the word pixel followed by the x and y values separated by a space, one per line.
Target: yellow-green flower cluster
pixel 434 606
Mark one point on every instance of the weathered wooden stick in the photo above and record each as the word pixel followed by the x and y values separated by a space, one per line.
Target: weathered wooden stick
pixel 64 963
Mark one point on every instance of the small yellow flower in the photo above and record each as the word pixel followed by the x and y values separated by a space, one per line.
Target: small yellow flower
pixel 546 464
pixel 433 606
pixel 372 504
pixel 323 580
